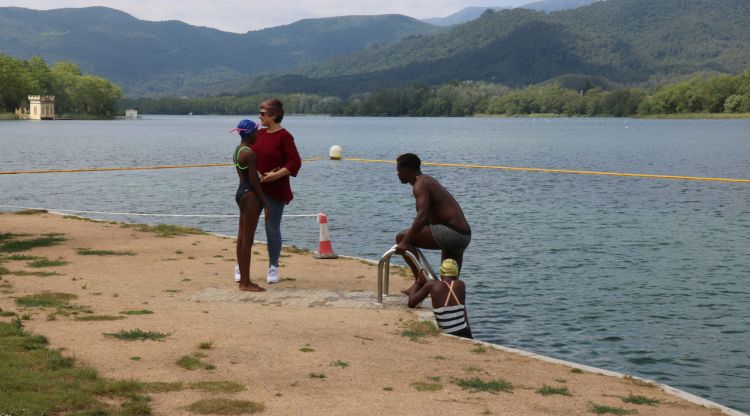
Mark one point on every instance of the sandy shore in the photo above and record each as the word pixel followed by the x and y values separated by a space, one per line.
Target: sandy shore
pixel 321 314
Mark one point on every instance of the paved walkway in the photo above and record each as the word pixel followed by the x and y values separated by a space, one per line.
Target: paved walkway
pixel 303 297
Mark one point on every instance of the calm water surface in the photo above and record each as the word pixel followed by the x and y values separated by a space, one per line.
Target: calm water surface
pixel 643 276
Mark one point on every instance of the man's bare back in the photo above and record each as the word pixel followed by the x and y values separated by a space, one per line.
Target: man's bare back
pixel 443 207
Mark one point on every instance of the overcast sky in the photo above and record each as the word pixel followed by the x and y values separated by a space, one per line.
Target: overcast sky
pixel 243 15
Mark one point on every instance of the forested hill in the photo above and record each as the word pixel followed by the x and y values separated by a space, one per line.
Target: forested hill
pixel 556 5
pixel 627 41
pixel 473 12
pixel 151 57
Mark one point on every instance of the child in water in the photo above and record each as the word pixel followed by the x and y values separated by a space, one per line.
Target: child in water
pixel 448 299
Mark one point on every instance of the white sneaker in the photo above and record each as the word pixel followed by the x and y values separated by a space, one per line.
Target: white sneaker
pixel 236 272
pixel 273 275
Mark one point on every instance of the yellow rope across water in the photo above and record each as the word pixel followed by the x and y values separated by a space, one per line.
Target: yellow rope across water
pixel 205 165
pixel 361 160
pixel 577 172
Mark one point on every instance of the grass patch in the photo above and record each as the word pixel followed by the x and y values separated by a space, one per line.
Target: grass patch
pixel 76 217
pixel 40 263
pixel 45 300
pixel 90 252
pixel 576 371
pixel 339 363
pixel 601 409
pixel 424 386
pixel 10 236
pixel 640 383
pixel 193 362
pixel 643 400
pixel 168 230
pixel 6 313
pixel 15 246
pixel 137 312
pixel 99 318
pixel 138 335
pixel 477 384
pixel 225 407
pixel 31 211
pixel 307 348
pixel 190 362
pixel 206 345
pixel 38 274
pixel 69 309
pixel 38 381
pixel 317 375
pixel 479 349
pixel 416 330
pixel 218 386
pixel 546 390
pixel 296 250
pixel 162 386
pixel 18 257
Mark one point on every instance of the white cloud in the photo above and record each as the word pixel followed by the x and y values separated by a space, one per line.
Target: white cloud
pixel 241 16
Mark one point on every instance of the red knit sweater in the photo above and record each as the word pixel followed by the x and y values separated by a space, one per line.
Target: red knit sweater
pixel 277 150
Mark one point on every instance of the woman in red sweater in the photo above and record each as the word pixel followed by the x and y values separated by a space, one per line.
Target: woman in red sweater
pixel 277 160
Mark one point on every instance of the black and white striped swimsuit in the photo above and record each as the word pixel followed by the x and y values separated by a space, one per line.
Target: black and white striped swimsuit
pixel 452 319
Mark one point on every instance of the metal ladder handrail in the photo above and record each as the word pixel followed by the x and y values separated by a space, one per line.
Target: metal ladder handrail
pixel 384 268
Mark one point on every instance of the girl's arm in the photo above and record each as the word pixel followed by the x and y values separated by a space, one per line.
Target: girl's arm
pixel 420 294
pixel 255 182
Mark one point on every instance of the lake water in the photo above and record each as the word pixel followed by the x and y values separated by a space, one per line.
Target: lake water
pixel 644 276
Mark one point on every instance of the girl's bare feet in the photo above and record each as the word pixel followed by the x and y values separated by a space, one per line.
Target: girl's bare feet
pixel 418 283
pixel 251 287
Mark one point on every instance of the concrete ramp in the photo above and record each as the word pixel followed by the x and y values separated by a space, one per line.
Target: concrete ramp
pixel 303 297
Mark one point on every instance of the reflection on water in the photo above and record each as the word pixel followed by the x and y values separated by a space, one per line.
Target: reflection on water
pixel 643 276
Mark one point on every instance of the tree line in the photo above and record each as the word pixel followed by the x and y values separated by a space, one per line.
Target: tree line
pixel 75 93
pixel 700 94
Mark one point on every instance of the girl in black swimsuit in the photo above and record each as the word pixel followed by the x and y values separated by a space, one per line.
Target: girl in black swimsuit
pixel 250 199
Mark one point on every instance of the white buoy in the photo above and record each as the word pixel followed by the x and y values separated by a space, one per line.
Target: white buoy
pixel 335 152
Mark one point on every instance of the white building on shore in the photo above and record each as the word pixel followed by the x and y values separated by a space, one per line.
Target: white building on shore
pixel 41 107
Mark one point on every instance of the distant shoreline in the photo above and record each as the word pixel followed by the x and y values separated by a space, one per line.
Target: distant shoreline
pixel 681 116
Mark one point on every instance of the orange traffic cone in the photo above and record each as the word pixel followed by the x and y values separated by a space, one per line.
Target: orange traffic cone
pixel 325 247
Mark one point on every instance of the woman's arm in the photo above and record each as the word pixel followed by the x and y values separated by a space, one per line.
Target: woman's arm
pixel 293 161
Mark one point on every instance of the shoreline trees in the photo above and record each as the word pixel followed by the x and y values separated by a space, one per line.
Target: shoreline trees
pixel 76 93
pixel 718 94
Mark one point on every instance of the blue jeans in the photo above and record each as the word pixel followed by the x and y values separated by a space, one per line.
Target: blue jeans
pixel 273 230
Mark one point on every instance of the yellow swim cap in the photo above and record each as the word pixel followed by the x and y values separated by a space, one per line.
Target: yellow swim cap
pixel 449 267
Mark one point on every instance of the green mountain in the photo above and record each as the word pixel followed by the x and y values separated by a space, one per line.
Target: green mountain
pixel 629 42
pixel 556 5
pixel 462 16
pixel 151 58
pixel 474 12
